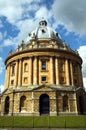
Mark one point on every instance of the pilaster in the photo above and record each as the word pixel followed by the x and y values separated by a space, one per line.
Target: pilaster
pixel 16 74
pixel 8 76
pixel 71 73
pixel 51 70
pixel 67 72
pixel 30 70
pixel 35 71
pixel 20 73
pixel 57 70
pixel 80 76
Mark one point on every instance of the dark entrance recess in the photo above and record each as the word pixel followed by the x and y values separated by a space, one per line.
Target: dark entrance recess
pixel 7 104
pixel 81 104
pixel 44 105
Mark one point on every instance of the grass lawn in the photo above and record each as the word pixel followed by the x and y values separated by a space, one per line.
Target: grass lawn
pixel 43 121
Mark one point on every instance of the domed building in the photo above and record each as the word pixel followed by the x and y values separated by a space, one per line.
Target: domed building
pixel 43 76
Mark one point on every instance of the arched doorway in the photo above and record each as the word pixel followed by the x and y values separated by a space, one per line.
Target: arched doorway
pixel 81 104
pixel 44 104
pixel 7 104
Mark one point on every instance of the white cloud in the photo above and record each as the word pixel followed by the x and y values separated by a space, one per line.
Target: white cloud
pixel 8 42
pixel 84 80
pixel 25 27
pixel 15 11
pixel 1 88
pixel 18 14
pixel 71 13
pixel 82 52
pixel 10 9
pixel 1 65
pixel 43 12
pixel 28 25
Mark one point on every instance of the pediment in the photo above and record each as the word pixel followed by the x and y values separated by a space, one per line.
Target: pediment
pixel 6 91
pixel 44 88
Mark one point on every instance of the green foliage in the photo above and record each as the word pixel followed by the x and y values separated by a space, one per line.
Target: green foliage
pixel 43 121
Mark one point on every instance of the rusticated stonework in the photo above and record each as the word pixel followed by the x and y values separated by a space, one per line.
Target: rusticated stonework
pixel 43 76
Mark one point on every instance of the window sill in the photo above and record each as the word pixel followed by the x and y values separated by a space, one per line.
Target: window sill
pixel 44 70
pixel 43 82
pixel 12 74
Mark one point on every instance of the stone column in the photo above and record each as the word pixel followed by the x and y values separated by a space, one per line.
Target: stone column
pixel 35 71
pixel 20 73
pixel 67 73
pixel 51 70
pixel 16 74
pixel 2 106
pixel 30 70
pixel 75 101
pixel 39 73
pixel 8 76
pixel 80 68
pixel 33 102
pixel 57 70
pixel 78 75
pixel 71 73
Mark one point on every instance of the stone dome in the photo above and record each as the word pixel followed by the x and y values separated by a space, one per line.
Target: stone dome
pixel 43 32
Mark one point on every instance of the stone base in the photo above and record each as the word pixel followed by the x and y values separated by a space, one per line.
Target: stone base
pixel 67 113
pixel 53 113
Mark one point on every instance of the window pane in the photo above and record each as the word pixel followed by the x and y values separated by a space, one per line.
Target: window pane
pixel 25 67
pixel 44 78
pixel 12 82
pixel 43 65
pixel 13 69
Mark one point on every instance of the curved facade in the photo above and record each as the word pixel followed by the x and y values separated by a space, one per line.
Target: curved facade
pixel 43 76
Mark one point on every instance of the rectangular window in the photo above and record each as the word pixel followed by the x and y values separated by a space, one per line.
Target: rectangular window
pixel 43 79
pixel 12 82
pixel 44 65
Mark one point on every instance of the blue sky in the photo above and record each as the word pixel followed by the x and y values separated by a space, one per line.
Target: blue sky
pixel 18 18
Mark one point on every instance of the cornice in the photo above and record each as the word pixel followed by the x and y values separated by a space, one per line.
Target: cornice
pixel 55 50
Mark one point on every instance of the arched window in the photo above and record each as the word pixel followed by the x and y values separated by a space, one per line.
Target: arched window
pixel 65 103
pixel 25 67
pixel 43 66
pixel 7 105
pixel 13 69
pixel 23 103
